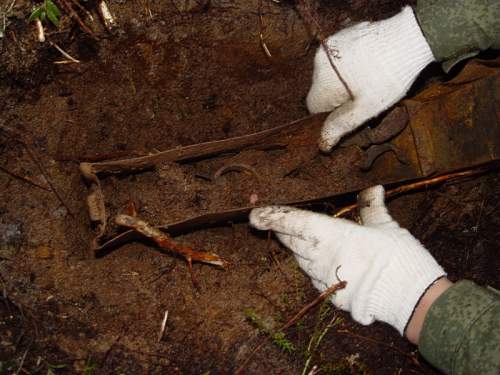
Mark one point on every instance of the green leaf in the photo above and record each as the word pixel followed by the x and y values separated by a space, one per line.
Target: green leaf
pixel 52 11
pixel 52 8
pixel 37 13
pixel 53 18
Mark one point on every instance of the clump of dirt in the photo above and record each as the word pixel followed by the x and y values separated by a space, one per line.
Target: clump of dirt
pixel 171 79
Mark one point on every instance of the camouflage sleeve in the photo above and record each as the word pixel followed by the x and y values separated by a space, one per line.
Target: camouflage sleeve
pixel 457 29
pixel 461 332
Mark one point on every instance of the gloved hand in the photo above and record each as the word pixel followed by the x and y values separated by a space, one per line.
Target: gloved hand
pixel 379 61
pixel 387 270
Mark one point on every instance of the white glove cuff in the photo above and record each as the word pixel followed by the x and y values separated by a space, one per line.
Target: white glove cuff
pixel 405 48
pixel 395 295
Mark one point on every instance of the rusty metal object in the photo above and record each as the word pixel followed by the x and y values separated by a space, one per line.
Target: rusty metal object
pixel 448 127
pixel 452 125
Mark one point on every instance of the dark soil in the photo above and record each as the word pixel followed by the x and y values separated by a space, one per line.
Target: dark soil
pixel 180 78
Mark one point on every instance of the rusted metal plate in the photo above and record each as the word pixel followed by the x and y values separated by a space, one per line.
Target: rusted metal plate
pixel 452 125
pixel 456 125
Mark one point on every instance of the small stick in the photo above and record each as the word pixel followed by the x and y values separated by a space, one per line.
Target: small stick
pixel 261 35
pixel 45 174
pixel 83 9
pixel 325 294
pixel 415 186
pixel 64 53
pixel 165 242
pixel 17 137
pixel 24 178
pixel 163 326
pixel 23 358
pixel 67 6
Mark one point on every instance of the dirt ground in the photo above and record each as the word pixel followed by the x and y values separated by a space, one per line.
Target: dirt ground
pixel 175 76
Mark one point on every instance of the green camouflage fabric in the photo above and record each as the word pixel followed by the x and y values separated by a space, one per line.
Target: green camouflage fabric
pixel 457 29
pixel 461 332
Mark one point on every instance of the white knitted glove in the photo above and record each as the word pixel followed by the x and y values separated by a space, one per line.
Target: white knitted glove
pixel 379 61
pixel 387 270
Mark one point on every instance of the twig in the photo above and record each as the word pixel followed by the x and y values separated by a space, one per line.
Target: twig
pixel 261 35
pixel 417 185
pixel 18 137
pixel 64 53
pixel 67 6
pixel 165 242
pixel 163 326
pixel 309 19
pixel 147 9
pixel 22 360
pixel 327 293
pixel 294 319
pixel 45 174
pixel 24 179
pixel 83 9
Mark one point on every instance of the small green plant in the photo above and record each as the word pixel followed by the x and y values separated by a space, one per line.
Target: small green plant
pixel 90 366
pixel 280 340
pixel 319 333
pixel 277 337
pixel 47 10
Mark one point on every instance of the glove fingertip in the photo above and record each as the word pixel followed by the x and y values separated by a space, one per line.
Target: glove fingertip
pixel 259 218
pixel 374 195
pixel 264 218
pixel 325 144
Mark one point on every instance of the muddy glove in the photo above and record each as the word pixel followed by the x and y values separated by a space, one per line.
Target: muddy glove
pixel 387 270
pixel 379 61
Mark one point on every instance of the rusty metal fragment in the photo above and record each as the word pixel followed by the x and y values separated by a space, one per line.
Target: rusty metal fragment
pixel 447 127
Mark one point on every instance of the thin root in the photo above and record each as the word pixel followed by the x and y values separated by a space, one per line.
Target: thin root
pixel 417 185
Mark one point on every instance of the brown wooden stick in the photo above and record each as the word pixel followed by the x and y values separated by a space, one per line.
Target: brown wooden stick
pixel 417 185
pixel 69 8
pixel 195 151
pixel 165 242
pixel 241 214
pixel 324 295
pixel 294 319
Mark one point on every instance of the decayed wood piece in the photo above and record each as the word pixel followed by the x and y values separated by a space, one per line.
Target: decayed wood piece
pixel 165 242
pixel 199 150
pixel 241 214
pixel 281 135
